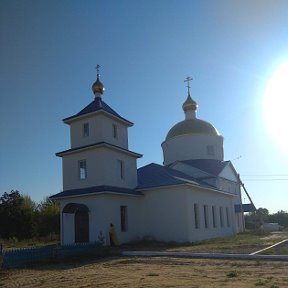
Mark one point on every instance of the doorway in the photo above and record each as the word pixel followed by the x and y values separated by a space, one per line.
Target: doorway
pixel 81 221
pixel 81 227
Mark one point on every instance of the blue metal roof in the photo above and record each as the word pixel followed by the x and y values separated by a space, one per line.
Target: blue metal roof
pixel 155 175
pixel 211 166
pixel 95 189
pixel 60 154
pixel 149 176
pixel 245 208
pixel 97 105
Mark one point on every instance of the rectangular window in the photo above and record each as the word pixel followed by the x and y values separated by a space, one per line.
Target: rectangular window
pixel 115 131
pixel 214 216
pixel 124 218
pixel 82 169
pixel 221 217
pixel 85 129
pixel 121 168
pixel 196 216
pixel 206 216
pixel 227 217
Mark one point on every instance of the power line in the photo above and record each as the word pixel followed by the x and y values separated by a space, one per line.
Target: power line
pixel 266 175
pixel 280 179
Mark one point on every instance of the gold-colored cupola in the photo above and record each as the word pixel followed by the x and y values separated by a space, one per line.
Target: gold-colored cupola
pixel 98 87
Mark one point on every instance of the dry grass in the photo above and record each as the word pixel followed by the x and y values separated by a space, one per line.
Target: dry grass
pixel 243 243
pixel 151 272
pixel 162 272
pixel 281 249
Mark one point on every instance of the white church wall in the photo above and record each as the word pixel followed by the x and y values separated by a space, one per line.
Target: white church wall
pixel 112 169
pixel 209 199
pixel 161 214
pixel 239 217
pixel 95 131
pixel 228 173
pixel 100 129
pixel 104 210
pixel 228 186
pixel 171 214
pixel 164 214
pixel 121 136
pixel 187 147
pixel 66 226
pixel 103 168
pixel 68 233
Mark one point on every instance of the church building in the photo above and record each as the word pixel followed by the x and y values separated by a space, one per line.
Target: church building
pixel 194 195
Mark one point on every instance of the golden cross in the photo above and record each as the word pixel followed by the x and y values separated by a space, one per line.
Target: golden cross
pixel 188 79
pixel 97 69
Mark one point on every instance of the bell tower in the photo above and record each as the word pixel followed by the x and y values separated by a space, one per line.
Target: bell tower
pixel 99 154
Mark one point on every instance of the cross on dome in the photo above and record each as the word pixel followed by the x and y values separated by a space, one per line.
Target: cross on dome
pixel 97 69
pixel 98 88
pixel 189 106
pixel 188 79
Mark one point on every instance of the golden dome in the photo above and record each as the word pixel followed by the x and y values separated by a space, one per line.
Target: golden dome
pixel 189 104
pixel 192 126
pixel 98 87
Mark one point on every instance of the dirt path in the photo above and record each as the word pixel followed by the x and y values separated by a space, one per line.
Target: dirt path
pixel 152 272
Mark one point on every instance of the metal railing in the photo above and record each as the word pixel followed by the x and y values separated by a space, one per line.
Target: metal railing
pixel 19 257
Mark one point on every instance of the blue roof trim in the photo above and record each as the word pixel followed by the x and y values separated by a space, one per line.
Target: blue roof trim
pixel 97 105
pixel 245 208
pixel 59 154
pixel 95 189
pixel 155 175
pixel 211 166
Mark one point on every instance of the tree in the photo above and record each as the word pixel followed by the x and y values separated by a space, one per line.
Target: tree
pixel 281 217
pixel 255 219
pixel 48 218
pixel 16 215
pixel 261 215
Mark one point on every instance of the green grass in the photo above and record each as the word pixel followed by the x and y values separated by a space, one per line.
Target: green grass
pixel 240 239
pixel 14 243
pixel 246 242
pixel 243 243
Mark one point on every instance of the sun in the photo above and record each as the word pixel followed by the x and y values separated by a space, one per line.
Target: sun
pixel 275 107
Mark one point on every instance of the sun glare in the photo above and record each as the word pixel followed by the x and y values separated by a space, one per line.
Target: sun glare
pixel 275 107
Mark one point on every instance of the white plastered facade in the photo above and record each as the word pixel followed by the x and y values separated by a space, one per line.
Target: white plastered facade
pixel 193 146
pixel 162 214
pixel 165 213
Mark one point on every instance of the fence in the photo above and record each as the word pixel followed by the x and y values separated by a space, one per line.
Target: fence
pixel 13 258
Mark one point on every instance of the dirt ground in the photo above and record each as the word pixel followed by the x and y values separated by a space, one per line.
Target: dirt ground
pixel 151 272
pixel 163 271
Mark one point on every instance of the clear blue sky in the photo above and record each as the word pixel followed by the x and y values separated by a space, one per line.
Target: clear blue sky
pixel 49 50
